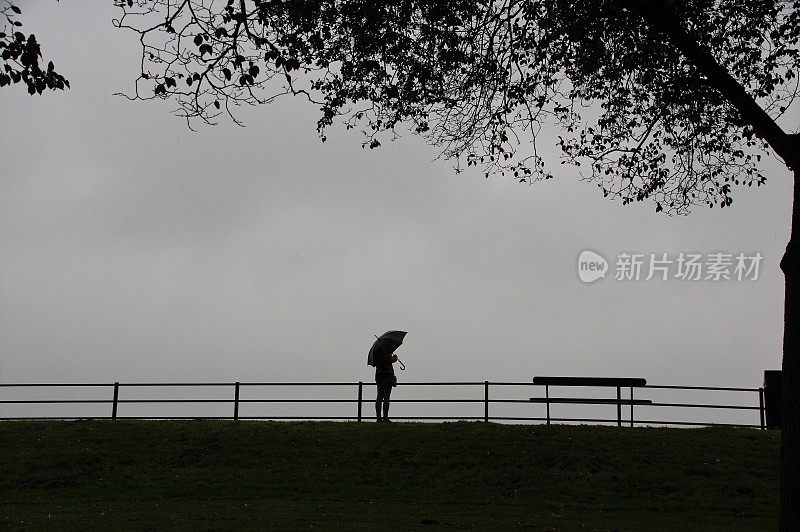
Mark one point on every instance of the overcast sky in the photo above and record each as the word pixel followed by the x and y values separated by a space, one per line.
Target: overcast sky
pixel 134 249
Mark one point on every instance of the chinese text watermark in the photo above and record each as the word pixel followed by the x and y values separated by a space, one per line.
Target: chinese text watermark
pixel 713 267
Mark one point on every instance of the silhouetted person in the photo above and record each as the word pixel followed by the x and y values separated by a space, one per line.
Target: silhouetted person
pixel 385 379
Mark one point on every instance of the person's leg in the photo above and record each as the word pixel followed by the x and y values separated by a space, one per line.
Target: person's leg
pixel 379 400
pixel 386 397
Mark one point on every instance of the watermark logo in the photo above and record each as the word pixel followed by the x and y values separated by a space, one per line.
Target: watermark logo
pixel 714 267
pixel 591 266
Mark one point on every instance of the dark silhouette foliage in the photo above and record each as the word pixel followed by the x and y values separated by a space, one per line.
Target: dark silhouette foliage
pixel 22 56
pixel 486 81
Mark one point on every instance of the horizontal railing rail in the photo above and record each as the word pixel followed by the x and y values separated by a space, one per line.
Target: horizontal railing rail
pixel 754 403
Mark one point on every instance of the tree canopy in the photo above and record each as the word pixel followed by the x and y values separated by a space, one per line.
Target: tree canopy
pixel 484 80
pixel 21 56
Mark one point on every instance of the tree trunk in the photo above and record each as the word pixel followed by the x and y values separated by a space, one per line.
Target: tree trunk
pixel 790 398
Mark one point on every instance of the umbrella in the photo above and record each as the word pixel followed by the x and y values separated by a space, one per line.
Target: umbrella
pixel 384 346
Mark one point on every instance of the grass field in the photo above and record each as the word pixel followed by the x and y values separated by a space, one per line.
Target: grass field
pixel 90 475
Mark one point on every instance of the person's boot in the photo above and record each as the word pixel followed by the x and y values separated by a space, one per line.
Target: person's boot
pixel 386 412
pixel 378 412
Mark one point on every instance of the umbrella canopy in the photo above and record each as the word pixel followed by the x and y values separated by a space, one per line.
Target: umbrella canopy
pixel 385 346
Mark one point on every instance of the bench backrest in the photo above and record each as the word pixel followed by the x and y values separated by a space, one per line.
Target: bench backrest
pixel 590 381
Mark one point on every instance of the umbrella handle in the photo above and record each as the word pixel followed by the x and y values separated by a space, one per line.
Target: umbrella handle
pixel 402 366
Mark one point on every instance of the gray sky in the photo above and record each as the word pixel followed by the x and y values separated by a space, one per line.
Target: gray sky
pixel 133 249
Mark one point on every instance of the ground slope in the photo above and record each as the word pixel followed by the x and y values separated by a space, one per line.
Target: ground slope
pixel 409 476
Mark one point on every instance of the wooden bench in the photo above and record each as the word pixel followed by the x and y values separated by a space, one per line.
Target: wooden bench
pixel 596 382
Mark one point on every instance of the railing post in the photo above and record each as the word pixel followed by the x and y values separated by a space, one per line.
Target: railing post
pixel 236 402
pixel 547 401
pixel 116 400
pixel 619 406
pixel 486 401
pixel 761 407
pixel 631 406
pixel 360 398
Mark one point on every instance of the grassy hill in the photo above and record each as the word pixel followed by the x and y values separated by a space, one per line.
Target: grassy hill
pixel 410 476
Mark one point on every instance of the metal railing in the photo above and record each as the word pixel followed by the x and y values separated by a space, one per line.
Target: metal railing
pixel 754 402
